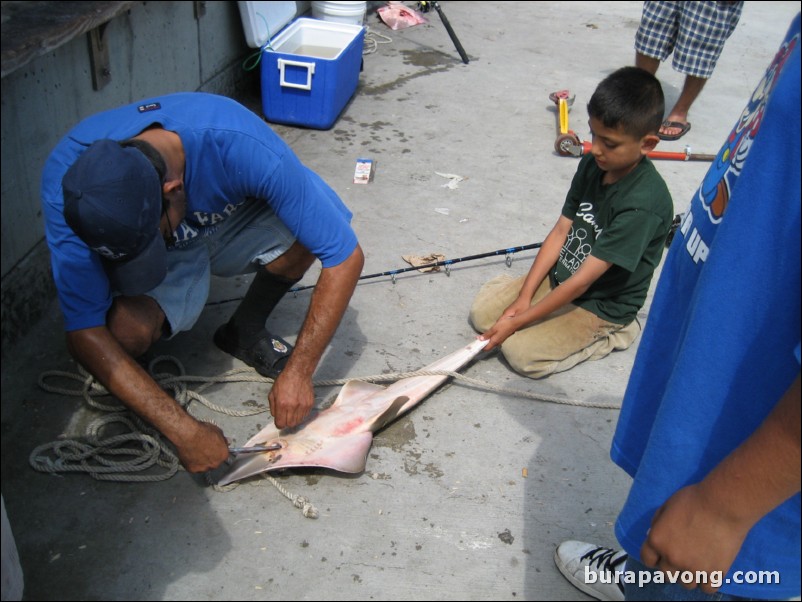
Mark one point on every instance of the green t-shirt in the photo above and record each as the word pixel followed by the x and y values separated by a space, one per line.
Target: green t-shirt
pixel 625 223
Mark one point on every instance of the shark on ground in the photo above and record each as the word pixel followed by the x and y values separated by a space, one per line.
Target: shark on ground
pixel 339 437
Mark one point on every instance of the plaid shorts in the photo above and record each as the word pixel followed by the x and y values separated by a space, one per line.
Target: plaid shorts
pixel 694 31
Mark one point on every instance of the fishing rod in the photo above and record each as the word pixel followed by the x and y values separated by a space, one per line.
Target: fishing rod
pixel 509 252
pixel 443 262
pixel 425 7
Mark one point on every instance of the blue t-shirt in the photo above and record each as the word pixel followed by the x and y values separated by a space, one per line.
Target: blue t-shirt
pixel 722 343
pixel 231 156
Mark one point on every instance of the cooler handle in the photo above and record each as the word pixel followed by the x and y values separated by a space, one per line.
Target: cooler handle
pixel 310 70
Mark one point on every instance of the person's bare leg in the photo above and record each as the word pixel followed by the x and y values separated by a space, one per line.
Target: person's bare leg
pixel 646 63
pixel 690 91
pixel 136 323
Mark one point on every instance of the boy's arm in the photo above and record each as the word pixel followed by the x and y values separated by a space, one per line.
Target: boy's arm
pixel 703 526
pixel 588 273
pixel 545 259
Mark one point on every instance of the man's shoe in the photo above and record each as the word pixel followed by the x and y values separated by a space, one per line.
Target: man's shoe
pixel 268 355
pixel 595 570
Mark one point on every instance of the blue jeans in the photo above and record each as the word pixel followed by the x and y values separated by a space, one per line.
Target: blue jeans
pixel 665 591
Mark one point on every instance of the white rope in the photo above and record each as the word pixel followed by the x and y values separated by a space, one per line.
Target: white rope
pixel 372 41
pixel 479 384
pixel 299 501
pixel 98 456
pixel 142 448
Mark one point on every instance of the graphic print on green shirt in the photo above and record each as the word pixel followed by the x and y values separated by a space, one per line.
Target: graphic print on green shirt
pixel 626 224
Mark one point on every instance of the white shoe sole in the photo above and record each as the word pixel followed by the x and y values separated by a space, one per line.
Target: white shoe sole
pixel 578 583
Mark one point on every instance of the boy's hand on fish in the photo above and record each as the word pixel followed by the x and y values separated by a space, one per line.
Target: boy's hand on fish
pixel 500 332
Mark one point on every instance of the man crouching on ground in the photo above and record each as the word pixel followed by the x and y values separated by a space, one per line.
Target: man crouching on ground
pixel 144 203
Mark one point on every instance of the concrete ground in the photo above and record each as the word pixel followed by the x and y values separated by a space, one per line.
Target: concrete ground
pixel 466 497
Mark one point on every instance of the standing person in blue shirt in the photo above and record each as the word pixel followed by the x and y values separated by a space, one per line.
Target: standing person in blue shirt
pixel 710 423
pixel 144 203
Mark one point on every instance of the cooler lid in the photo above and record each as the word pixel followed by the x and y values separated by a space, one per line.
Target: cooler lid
pixel 263 20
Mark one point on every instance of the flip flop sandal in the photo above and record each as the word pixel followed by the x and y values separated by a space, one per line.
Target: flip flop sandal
pixel 268 356
pixel 684 128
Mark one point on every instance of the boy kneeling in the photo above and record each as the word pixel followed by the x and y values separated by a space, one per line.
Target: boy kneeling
pixel 590 278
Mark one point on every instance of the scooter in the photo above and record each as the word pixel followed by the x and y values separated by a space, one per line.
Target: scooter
pixel 566 138
pixel 568 144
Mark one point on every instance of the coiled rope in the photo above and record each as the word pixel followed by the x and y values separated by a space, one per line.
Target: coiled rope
pixel 373 39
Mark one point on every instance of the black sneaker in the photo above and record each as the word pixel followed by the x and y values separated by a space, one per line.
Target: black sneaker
pixel 268 355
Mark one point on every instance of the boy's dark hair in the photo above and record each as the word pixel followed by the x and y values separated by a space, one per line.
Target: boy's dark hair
pixel 630 98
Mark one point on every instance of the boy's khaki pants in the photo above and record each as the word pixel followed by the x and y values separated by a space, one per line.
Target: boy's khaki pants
pixel 561 341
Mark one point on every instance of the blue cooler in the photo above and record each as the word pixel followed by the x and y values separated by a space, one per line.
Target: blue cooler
pixel 310 71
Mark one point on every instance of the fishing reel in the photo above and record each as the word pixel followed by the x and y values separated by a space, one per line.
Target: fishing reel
pixel 674 227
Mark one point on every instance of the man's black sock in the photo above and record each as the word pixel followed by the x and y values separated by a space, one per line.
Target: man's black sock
pixel 248 321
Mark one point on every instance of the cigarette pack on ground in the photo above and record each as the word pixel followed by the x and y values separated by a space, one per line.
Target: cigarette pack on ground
pixel 364 171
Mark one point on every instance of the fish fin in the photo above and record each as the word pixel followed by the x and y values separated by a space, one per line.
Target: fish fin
pixel 343 454
pixel 393 411
pixel 357 390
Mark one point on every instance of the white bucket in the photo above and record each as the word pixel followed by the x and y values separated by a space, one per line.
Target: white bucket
pixel 340 12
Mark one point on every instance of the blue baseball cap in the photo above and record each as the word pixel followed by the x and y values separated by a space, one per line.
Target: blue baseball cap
pixel 113 202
